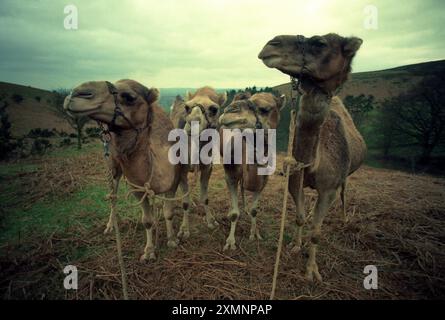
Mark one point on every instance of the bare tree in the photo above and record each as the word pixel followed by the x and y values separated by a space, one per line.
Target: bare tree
pixel 359 107
pixel 77 123
pixel 420 114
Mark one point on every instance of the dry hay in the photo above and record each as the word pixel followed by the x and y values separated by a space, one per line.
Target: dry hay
pixel 396 222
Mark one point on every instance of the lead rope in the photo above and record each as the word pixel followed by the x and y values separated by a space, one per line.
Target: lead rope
pixel 113 198
pixel 290 145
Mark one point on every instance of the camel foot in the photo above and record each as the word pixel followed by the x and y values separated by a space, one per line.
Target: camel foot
pixel 183 233
pixel 172 243
pixel 230 244
pixel 147 257
pixel 108 228
pixel 211 222
pixel 295 249
pixel 255 236
pixel 311 272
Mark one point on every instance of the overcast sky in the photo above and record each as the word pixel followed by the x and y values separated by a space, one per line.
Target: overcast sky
pixel 190 43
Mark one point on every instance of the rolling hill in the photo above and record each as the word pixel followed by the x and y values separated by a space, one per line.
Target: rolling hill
pixel 36 108
pixel 383 84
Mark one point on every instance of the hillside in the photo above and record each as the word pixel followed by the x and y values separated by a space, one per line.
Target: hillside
pixel 36 110
pixel 383 84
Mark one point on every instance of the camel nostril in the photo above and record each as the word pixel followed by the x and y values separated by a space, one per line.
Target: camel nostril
pixel 82 94
pixel 274 42
pixel 232 110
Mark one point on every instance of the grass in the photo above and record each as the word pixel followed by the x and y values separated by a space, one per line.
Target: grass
pixel 64 225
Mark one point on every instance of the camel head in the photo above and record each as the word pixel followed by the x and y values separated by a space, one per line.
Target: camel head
pixel 98 99
pixel 260 111
pixel 203 106
pixel 321 60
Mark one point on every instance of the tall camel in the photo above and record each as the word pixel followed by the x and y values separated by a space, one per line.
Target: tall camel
pixel 260 111
pixel 325 137
pixel 139 144
pixel 203 107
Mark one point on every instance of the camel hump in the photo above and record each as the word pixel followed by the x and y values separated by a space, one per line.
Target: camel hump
pixel 354 140
pixel 164 173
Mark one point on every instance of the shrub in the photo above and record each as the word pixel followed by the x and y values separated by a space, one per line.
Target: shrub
pixel 65 142
pixel 38 99
pixel 17 98
pixel 6 143
pixel 40 146
pixel 93 132
pixel 73 135
pixel 38 132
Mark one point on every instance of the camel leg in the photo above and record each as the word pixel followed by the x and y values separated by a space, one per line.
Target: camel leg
pixel 343 201
pixel 184 229
pixel 324 201
pixel 172 241
pixel 147 222
pixel 254 232
pixel 232 184
pixel 206 171
pixel 115 173
pixel 298 197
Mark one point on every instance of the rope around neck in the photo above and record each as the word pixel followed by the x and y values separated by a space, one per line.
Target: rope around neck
pixel 298 168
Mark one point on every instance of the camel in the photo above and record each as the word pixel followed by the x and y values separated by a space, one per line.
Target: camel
pixel 260 111
pixel 203 107
pixel 325 136
pixel 139 144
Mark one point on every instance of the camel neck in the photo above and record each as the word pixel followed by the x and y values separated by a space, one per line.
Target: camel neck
pixel 314 108
pixel 128 144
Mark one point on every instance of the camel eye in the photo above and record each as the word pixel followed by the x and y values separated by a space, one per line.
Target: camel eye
pixel 187 109
pixel 128 97
pixel 213 110
pixel 319 43
pixel 263 111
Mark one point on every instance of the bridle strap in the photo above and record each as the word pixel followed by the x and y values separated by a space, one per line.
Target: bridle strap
pixel 253 107
pixel 119 113
pixel 297 81
pixel 203 111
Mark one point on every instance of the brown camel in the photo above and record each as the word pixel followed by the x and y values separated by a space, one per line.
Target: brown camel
pixel 325 137
pixel 260 111
pixel 139 144
pixel 203 107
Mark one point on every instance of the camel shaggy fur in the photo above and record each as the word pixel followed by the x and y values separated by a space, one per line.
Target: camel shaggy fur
pixel 247 112
pixel 204 108
pixel 325 137
pixel 139 144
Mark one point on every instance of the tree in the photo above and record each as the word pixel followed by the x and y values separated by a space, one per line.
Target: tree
pixel 385 132
pixel 359 107
pixel 6 146
pixel 419 114
pixel 77 123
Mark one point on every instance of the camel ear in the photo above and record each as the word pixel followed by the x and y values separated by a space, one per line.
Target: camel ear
pixel 178 101
pixel 152 95
pixel 242 96
pixel 351 45
pixel 222 98
pixel 282 100
pixel 188 96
